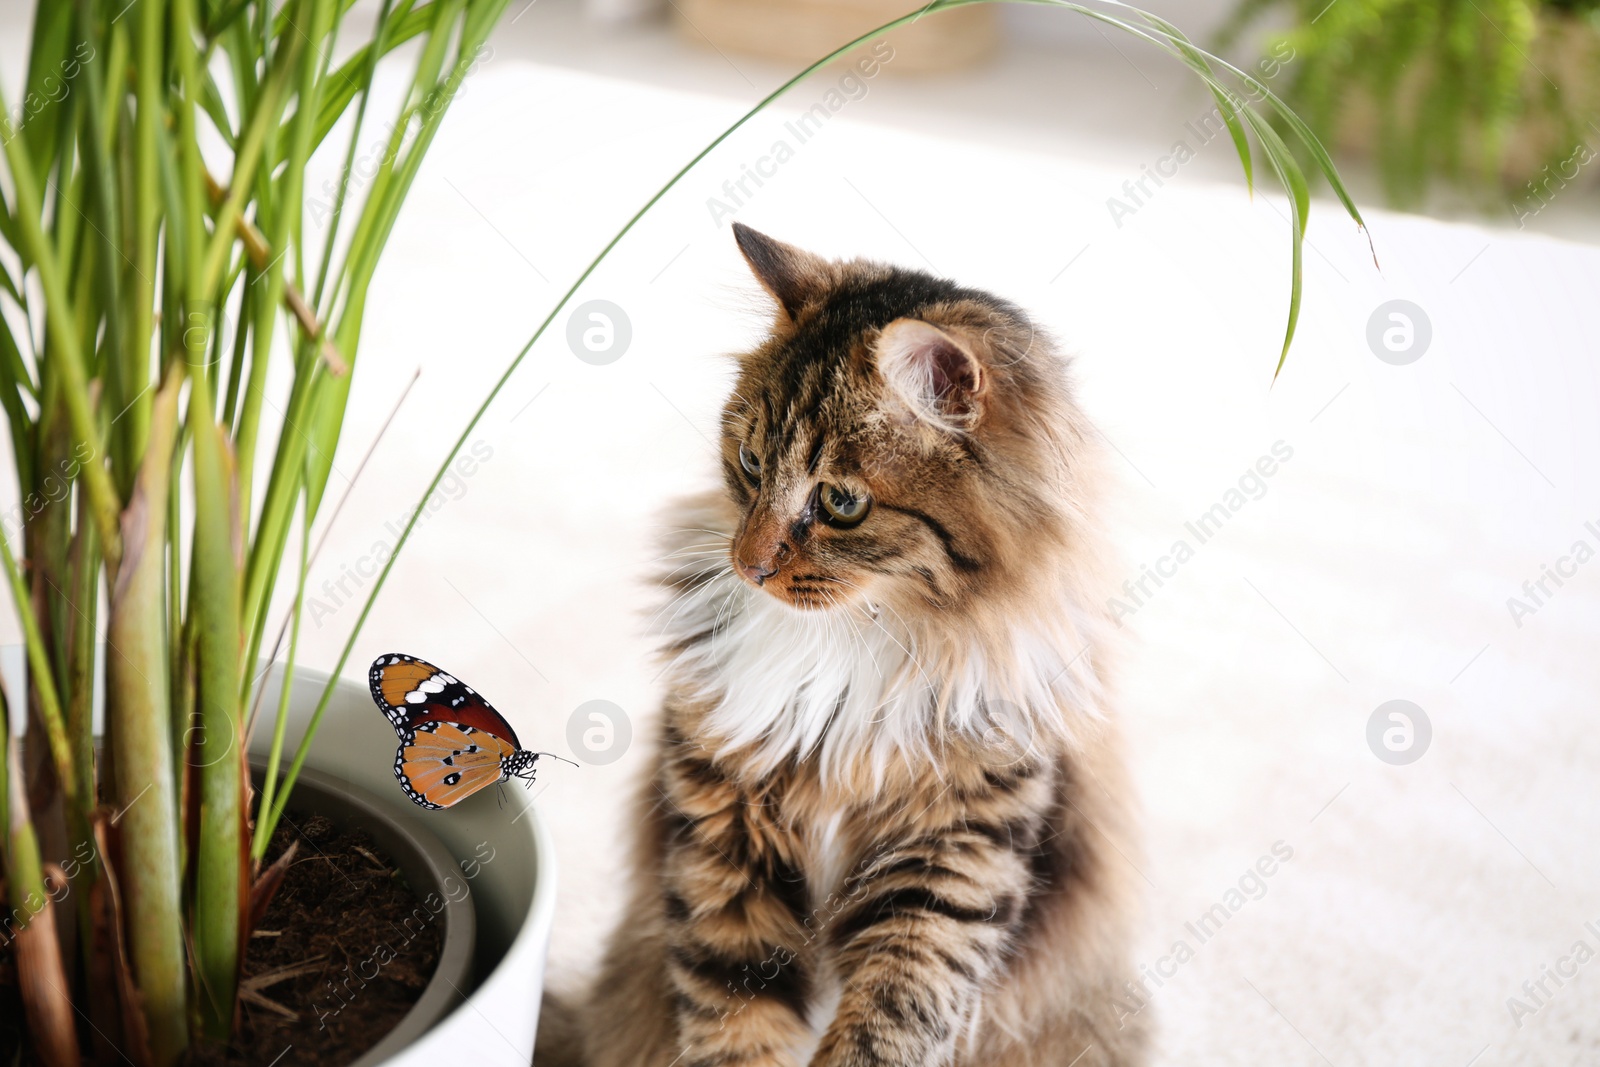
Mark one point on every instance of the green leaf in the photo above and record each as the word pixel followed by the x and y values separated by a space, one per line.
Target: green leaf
pixel 63 325
pixel 10 287
pixel 1227 104
pixel 13 371
pixel 13 379
pixel 342 86
pixel 1294 181
pixel 224 17
pixel 211 103
pixel 47 85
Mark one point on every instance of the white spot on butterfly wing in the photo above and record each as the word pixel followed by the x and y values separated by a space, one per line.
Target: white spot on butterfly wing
pixel 428 686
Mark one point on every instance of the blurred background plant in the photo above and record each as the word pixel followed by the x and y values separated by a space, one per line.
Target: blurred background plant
pixel 1496 97
pixel 156 265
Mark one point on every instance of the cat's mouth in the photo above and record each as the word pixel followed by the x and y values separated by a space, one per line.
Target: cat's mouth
pixel 807 592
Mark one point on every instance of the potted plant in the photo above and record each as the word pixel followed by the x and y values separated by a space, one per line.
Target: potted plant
pixel 1498 95
pixel 157 262
pixel 155 258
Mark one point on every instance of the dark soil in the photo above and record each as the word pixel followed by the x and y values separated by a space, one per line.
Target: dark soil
pixel 333 951
pixel 331 969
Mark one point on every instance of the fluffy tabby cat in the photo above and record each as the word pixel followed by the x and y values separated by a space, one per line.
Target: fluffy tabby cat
pixel 886 823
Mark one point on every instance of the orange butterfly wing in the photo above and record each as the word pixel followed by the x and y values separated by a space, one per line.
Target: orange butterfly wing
pixel 440 764
pixel 411 691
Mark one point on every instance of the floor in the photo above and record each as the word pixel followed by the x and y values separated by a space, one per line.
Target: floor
pixel 1403 551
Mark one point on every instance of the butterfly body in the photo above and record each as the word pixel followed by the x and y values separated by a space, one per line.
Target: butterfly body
pixel 452 741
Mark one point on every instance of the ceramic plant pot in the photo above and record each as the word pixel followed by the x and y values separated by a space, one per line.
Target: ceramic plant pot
pixel 492 845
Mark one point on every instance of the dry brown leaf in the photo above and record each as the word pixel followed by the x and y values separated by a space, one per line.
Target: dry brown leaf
pixel 135 1034
pixel 283 974
pixel 250 996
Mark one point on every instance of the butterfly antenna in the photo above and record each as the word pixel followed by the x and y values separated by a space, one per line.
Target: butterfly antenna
pixel 552 755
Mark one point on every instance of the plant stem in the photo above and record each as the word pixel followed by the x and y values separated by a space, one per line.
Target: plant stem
pixel 42 674
pixel 138 710
pixel 41 974
pixel 218 753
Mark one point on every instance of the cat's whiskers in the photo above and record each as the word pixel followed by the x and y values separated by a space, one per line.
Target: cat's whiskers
pixel 698 561
pixel 873 618
pixel 689 575
pixel 722 535
pixel 686 597
pixel 680 594
pixel 862 642
pixel 728 604
pixel 861 638
pixel 702 548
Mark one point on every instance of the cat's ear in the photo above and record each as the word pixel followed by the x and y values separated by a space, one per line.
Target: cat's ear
pixel 931 371
pixel 789 274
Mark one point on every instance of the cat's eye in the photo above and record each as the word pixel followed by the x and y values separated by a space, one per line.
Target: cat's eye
pixel 748 460
pixel 843 507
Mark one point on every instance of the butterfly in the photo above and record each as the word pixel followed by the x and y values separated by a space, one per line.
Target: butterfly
pixel 452 742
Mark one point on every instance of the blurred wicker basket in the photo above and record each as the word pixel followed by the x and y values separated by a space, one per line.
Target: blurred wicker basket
pixel 802 30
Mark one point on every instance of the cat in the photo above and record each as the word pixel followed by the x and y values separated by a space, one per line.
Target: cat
pixel 887 824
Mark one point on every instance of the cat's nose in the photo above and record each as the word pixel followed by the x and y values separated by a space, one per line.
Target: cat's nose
pixel 758 552
pixel 757 572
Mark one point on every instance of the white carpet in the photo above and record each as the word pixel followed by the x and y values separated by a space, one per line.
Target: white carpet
pixel 1376 565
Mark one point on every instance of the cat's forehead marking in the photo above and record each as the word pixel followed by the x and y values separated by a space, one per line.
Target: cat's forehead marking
pixel 815 458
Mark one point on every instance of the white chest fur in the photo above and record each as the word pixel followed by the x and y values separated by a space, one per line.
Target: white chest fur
pixel 856 683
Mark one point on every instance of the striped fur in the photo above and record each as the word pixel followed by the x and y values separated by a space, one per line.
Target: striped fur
pixel 887 824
